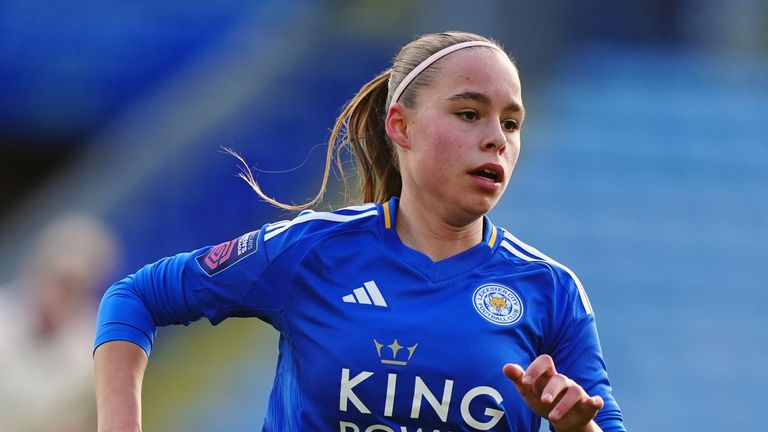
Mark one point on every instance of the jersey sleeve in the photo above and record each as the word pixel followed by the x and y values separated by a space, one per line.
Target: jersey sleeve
pixel 577 353
pixel 239 278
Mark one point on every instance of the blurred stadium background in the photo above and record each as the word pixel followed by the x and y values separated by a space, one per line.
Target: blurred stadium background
pixel 644 167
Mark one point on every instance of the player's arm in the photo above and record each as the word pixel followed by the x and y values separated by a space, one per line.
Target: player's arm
pixel 174 290
pixel 129 313
pixel 119 370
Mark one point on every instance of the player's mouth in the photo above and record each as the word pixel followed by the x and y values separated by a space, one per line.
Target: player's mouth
pixel 488 176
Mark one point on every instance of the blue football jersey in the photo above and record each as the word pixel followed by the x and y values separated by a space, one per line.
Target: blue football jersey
pixel 375 336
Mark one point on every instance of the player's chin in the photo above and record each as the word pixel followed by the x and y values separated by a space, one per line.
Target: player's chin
pixel 489 198
pixel 481 204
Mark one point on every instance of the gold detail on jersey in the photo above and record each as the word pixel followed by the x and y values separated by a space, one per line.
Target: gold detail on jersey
pixel 492 240
pixel 387 219
pixel 395 347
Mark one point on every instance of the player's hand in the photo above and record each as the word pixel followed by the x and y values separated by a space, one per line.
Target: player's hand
pixel 554 396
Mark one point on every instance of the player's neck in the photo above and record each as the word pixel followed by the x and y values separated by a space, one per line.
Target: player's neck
pixel 424 230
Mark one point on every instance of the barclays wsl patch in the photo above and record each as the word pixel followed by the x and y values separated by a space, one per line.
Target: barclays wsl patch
pixel 498 304
pixel 222 256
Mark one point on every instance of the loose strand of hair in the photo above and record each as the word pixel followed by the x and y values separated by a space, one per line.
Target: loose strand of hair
pixel 247 174
pixel 340 138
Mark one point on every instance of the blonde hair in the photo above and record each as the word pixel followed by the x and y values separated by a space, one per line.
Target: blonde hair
pixel 361 125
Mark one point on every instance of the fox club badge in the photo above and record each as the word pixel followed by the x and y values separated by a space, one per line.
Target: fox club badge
pixel 498 304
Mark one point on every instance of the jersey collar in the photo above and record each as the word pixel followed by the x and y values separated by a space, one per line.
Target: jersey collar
pixel 443 269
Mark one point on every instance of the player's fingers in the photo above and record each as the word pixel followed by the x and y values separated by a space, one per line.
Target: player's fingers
pixel 553 387
pixel 514 372
pixel 595 402
pixel 542 366
pixel 572 396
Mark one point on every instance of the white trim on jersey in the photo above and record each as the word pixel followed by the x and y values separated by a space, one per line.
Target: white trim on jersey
pixel 361 207
pixel 317 216
pixel 506 245
pixel 275 225
pixel 536 255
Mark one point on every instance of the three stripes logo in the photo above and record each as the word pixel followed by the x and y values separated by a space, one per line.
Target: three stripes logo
pixel 367 294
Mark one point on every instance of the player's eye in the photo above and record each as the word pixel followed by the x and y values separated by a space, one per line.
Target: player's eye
pixel 510 125
pixel 468 115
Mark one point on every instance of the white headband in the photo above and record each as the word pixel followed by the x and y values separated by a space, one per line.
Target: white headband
pixel 428 62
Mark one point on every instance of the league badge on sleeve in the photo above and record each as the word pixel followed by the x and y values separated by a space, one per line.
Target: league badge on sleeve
pixel 222 256
pixel 498 304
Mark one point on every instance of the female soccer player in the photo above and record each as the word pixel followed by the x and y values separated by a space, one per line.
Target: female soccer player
pixel 411 313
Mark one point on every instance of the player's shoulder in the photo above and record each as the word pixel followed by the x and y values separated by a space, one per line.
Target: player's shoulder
pixel 310 223
pixel 521 253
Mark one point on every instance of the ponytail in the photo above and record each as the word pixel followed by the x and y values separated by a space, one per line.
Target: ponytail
pixel 361 127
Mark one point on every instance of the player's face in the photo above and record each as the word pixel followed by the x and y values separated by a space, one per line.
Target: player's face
pixel 464 134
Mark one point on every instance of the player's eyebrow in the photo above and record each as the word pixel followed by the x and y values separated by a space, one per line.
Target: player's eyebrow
pixel 484 99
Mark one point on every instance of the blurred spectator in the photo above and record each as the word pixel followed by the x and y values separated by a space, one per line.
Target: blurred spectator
pixel 47 317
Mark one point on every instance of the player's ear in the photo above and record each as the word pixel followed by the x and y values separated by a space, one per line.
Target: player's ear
pixel 397 125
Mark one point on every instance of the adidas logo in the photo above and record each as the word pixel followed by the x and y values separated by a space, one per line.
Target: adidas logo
pixel 367 294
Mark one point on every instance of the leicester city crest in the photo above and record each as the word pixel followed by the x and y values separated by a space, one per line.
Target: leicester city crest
pixel 498 304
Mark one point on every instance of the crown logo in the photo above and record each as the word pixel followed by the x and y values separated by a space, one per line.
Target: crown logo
pixel 395 347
